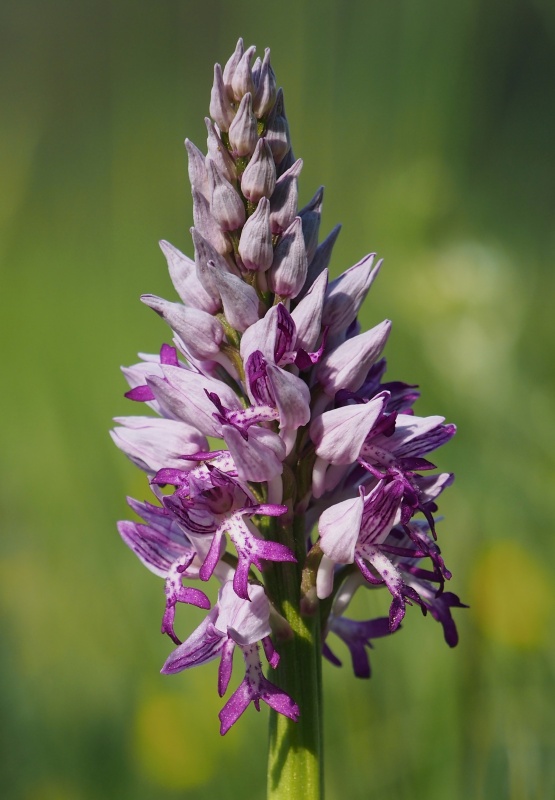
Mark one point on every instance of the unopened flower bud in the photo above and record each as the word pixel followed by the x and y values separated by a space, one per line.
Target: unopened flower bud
pixel 205 252
pixel 243 134
pixel 259 178
pixel 218 152
pixel 311 215
pixel 277 130
pixel 231 66
pixel 347 366
pixel 239 300
pixel 221 109
pixel 198 177
pixel 265 95
pixel 321 259
pixel 201 332
pixel 225 204
pixel 242 82
pixel 286 163
pixel 207 225
pixel 256 67
pixel 283 202
pixel 183 273
pixel 255 245
pixel 346 294
pixel 287 274
pixel 307 314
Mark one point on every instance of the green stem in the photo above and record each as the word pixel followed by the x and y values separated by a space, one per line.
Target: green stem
pixel 295 761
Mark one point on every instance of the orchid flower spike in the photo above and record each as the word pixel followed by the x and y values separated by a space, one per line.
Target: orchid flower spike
pixel 279 461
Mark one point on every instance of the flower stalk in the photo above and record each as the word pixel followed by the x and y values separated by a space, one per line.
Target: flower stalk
pixel 295 755
pixel 279 459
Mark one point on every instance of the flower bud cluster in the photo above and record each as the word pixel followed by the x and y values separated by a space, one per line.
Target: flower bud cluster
pixel 267 358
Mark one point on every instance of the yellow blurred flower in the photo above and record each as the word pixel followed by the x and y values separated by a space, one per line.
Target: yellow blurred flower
pixel 511 597
pixel 175 741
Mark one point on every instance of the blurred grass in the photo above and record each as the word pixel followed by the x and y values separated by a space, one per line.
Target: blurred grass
pixel 432 127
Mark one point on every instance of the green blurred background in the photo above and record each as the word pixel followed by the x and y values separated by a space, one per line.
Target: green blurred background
pixel 432 126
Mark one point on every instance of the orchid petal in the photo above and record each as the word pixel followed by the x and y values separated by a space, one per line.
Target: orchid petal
pixel 339 434
pixel 345 295
pixel 339 528
pixel 259 457
pixel 347 366
pixel 152 443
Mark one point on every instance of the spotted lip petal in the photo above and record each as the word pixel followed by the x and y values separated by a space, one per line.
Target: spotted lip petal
pixel 254 688
pixel 246 623
pixel 177 593
pixel 250 549
pixel 235 622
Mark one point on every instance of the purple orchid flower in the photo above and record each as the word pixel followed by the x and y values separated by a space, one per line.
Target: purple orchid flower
pixel 235 622
pixel 164 549
pixel 272 443
pixel 356 635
